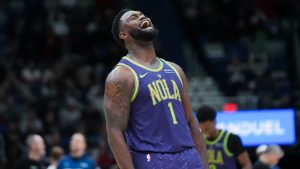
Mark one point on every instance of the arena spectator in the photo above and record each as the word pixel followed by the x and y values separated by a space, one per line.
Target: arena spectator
pixel 36 152
pixel 70 116
pixel 31 123
pixel 55 155
pixel 268 156
pixel 77 157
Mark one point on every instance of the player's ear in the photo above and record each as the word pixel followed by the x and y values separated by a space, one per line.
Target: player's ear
pixel 123 35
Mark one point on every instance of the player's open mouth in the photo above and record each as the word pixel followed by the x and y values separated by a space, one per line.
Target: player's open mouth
pixel 145 24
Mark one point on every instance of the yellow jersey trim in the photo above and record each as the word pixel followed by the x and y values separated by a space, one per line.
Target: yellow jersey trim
pixel 216 140
pixel 227 152
pixel 176 71
pixel 144 67
pixel 136 81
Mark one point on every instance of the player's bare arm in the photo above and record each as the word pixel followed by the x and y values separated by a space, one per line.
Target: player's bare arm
pixel 192 122
pixel 244 160
pixel 118 91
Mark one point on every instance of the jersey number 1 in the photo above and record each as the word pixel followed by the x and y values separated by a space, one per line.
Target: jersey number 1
pixel 172 113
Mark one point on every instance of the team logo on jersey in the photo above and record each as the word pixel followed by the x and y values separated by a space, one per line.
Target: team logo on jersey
pixel 148 157
pixel 143 75
pixel 159 75
pixel 159 91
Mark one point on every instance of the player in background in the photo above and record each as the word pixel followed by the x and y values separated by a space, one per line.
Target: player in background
pixel 78 157
pixel 149 119
pixel 225 150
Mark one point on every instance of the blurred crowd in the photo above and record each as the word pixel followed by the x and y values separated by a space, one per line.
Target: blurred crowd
pixel 54 57
pixel 248 46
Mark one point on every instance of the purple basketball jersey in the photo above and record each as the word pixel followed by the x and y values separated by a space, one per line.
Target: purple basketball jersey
pixel 157 121
pixel 219 156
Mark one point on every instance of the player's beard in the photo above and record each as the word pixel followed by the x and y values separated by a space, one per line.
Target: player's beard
pixel 144 34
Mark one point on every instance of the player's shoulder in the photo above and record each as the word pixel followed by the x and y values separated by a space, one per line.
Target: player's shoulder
pixel 176 67
pixel 119 73
pixel 173 64
pixel 120 70
pixel 233 138
pixel 232 135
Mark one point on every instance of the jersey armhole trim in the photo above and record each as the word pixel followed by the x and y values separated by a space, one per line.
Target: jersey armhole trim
pixel 136 81
pixel 216 140
pixel 175 70
pixel 226 149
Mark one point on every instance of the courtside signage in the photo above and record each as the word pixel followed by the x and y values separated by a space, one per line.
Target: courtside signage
pixel 257 127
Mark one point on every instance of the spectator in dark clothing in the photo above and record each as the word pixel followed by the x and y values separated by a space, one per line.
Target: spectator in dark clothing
pixel 268 156
pixel 36 152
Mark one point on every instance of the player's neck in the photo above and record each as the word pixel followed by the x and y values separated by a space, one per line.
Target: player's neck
pixel 144 54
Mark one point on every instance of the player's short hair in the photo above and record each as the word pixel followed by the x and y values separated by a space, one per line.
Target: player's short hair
pixel 115 28
pixel 206 113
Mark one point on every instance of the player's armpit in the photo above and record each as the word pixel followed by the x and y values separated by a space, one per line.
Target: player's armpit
pixel 244 160
pixel 118 90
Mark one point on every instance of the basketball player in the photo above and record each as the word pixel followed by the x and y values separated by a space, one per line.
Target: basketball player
pixel 224 149
pixel 148 114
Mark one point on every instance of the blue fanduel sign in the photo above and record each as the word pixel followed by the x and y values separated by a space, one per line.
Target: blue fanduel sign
pixel 257 127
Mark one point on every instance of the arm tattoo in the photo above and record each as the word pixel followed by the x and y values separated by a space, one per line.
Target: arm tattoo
pixel 117 93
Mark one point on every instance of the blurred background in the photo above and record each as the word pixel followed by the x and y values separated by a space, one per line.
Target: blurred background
pixel 55 55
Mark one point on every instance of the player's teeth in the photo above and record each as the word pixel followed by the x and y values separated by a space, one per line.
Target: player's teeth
pixel 145 24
